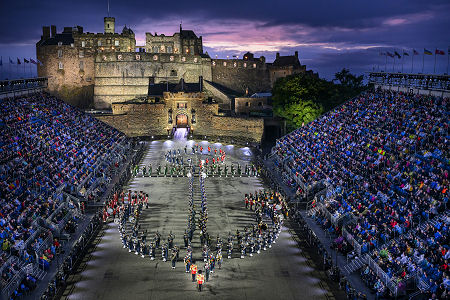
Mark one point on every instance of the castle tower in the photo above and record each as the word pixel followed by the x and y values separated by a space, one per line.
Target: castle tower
pixel 109 24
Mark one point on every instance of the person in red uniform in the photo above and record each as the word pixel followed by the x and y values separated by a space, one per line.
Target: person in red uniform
pixel 193 270
pixel 200 280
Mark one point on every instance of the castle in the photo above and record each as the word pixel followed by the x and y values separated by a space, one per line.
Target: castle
pixel 108 71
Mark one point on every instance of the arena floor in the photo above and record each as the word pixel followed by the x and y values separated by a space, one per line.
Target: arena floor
pixel 282 272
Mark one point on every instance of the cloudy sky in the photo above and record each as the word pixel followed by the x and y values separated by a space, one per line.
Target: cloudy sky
pixel 329 34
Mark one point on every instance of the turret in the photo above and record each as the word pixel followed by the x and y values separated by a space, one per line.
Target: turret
pixel 109 24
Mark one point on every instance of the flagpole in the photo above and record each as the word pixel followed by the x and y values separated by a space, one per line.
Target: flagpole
pixel 412 62
pixel 448 56
pixel 385 63
pixel 403 58
pixel 435 55
pixel 423 61
pixel 393 62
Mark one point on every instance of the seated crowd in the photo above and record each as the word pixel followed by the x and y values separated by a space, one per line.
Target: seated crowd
pixel 46 146
pixel 385 157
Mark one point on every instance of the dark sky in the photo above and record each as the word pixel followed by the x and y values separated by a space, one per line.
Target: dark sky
pixel 329 34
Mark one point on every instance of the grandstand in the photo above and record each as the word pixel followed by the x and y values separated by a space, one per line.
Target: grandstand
pixel 52 157
pixel 382 162
pixel 373 175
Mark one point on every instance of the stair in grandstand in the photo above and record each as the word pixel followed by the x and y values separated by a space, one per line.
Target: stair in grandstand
pixel 356 264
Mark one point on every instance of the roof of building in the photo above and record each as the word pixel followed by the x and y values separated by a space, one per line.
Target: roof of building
pixel 127 30
pixel 188 34
pixel 158 89
pixel 284 61
pixel 65 38
pixel 261 95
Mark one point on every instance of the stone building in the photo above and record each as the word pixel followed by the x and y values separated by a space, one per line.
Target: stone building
pixel 108 71
pixel 99 69
pixel 284 66
pixel 184 42
pixel 170 106
pixel 68 58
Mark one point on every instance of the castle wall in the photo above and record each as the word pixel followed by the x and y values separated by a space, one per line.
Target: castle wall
pixel 218 95
pixel 73 83
pixel 157 119
pixel 124 76
pixel 248 129
pixel 238 75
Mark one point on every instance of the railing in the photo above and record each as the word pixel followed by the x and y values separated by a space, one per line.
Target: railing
pixel 351 240
pixel 388 282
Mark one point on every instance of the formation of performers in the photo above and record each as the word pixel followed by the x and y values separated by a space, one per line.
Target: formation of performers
pixel 210 169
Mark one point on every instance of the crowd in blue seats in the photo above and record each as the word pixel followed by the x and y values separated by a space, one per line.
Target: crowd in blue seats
pixel 46 146
pixel 385 157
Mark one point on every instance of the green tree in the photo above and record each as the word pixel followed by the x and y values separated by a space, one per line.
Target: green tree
pixel 301 98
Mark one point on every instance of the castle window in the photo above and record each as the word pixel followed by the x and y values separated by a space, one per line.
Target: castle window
pixel 59 53
pixel 259 103
pixel 99 43
pixel 214 63
pixel 235 64
pixel 224 63
pixel 173 73
pixel 163 49
pixel 138 57
pixel 171 58
pixel 83 44
pixel 116 43
pixel 245 65
pixel 169 49
pixel 155 49
pixel 108 41
pixel 81 65
pixel 254 65
pixel 81 54
pixel 155 57
pixel 60 66
pixel 72 45
pixel 195 59
pixel 183 58
pixel 60 44
pixel 247 103
pixel 119 57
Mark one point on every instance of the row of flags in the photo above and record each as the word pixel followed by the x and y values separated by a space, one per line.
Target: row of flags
pixel 25 61
pixel 414 52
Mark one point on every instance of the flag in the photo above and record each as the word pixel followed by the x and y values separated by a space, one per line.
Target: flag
pixel 405 53
pixel 26 61
pixel 397 54
pixel 415 52
pixel 39 62
pixel 389 54
pixel 33 61
pixel 1 61
pixel 10 61
pixel 427 52
pixel 440 52
pixel 18 61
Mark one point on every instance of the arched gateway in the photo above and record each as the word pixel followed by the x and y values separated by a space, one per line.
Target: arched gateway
pixel 182 120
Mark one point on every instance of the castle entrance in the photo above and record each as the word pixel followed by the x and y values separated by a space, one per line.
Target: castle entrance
pixel 182 120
